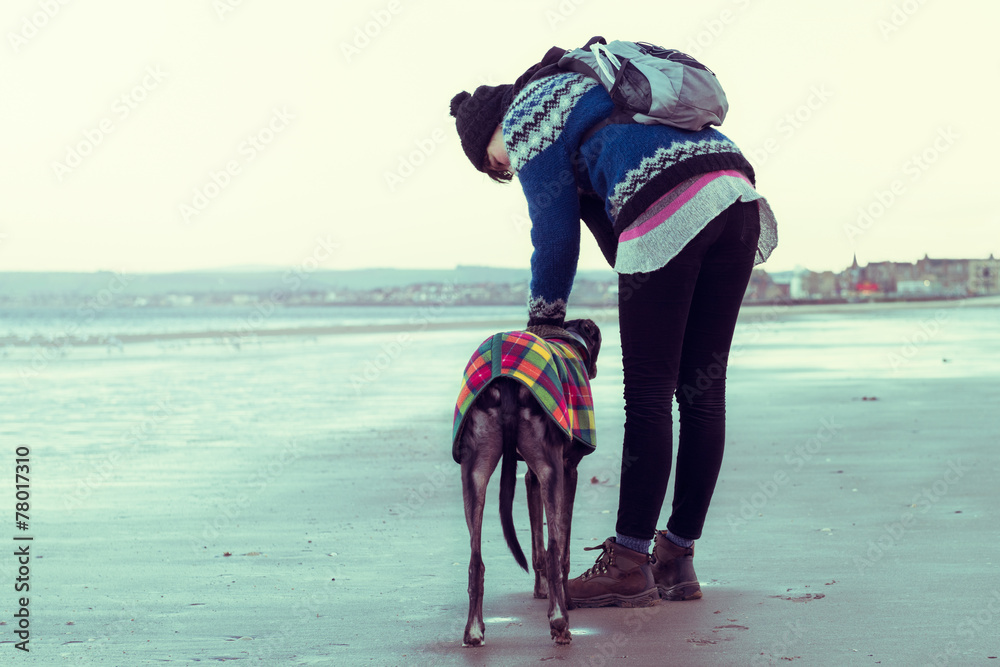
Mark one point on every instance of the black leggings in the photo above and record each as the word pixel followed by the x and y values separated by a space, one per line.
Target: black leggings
pixel 676 329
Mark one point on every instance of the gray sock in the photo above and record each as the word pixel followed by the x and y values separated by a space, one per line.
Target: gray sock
pixel 679 541
pixel 633 543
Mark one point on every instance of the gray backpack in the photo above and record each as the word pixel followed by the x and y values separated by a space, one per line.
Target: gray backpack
pixel 650 84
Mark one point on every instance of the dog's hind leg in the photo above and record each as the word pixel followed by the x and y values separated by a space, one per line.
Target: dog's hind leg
pixel 481 450
pixel 537 539
pixel 544 457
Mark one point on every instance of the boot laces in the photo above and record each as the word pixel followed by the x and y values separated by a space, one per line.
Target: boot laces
pixel 606 559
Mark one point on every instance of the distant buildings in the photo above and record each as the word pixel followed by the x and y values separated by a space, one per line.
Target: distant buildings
pixel 764 288
pixel 984 276
pixel 925 279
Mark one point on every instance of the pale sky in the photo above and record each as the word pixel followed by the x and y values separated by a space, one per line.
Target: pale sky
pixel 153 136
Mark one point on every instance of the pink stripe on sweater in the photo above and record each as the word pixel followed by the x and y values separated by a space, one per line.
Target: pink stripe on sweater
pixel 675 205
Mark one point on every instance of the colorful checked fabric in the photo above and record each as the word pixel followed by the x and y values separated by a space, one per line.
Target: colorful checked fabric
pixel 552 369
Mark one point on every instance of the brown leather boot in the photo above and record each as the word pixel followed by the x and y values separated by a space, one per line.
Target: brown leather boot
pixel 620 578
pixel 673 570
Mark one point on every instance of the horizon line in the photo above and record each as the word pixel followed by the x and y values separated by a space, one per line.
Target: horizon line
pixel 280 268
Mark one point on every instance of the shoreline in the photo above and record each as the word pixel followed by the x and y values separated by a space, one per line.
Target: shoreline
pixel 332 330
pixel 605 314
pixel 820 305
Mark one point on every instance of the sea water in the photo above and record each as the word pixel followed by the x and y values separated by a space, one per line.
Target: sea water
pixel 24 324
pixel 205 397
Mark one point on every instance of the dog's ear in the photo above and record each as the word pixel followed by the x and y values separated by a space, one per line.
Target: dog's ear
pixel 592 334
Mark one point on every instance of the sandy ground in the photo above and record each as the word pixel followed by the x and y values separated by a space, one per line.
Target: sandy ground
pixel 295 502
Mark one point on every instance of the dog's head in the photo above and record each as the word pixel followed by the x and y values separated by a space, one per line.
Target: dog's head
pixel 590 335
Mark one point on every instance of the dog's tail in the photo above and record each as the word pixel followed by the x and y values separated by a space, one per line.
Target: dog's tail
pixel 509 405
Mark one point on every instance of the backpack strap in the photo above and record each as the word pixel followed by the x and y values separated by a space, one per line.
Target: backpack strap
pixel 547 66
pixel 617 117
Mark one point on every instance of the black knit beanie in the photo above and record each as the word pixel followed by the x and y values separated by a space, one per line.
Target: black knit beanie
pixel 477 116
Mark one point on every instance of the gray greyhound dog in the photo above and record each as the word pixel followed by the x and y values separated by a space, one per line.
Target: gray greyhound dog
pixel 507 417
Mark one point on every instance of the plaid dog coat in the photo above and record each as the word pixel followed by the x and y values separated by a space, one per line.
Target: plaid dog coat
pixel 553 369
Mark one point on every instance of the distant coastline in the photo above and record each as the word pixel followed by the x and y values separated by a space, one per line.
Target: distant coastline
pixel 880 283
pixel 603 314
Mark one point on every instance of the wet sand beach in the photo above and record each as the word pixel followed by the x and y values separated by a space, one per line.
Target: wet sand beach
pixel 294 501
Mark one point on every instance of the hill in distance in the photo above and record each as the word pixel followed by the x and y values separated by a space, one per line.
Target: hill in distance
pixel 257 280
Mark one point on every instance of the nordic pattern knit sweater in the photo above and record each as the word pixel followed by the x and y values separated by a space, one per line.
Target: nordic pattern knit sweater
pixel 628 167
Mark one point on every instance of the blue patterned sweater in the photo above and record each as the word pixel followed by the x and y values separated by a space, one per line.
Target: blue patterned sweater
pixel 609 180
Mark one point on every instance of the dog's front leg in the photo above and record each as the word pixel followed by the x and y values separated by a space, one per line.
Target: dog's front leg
pixel 481 450
pixel 537 538
pixel 570 463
